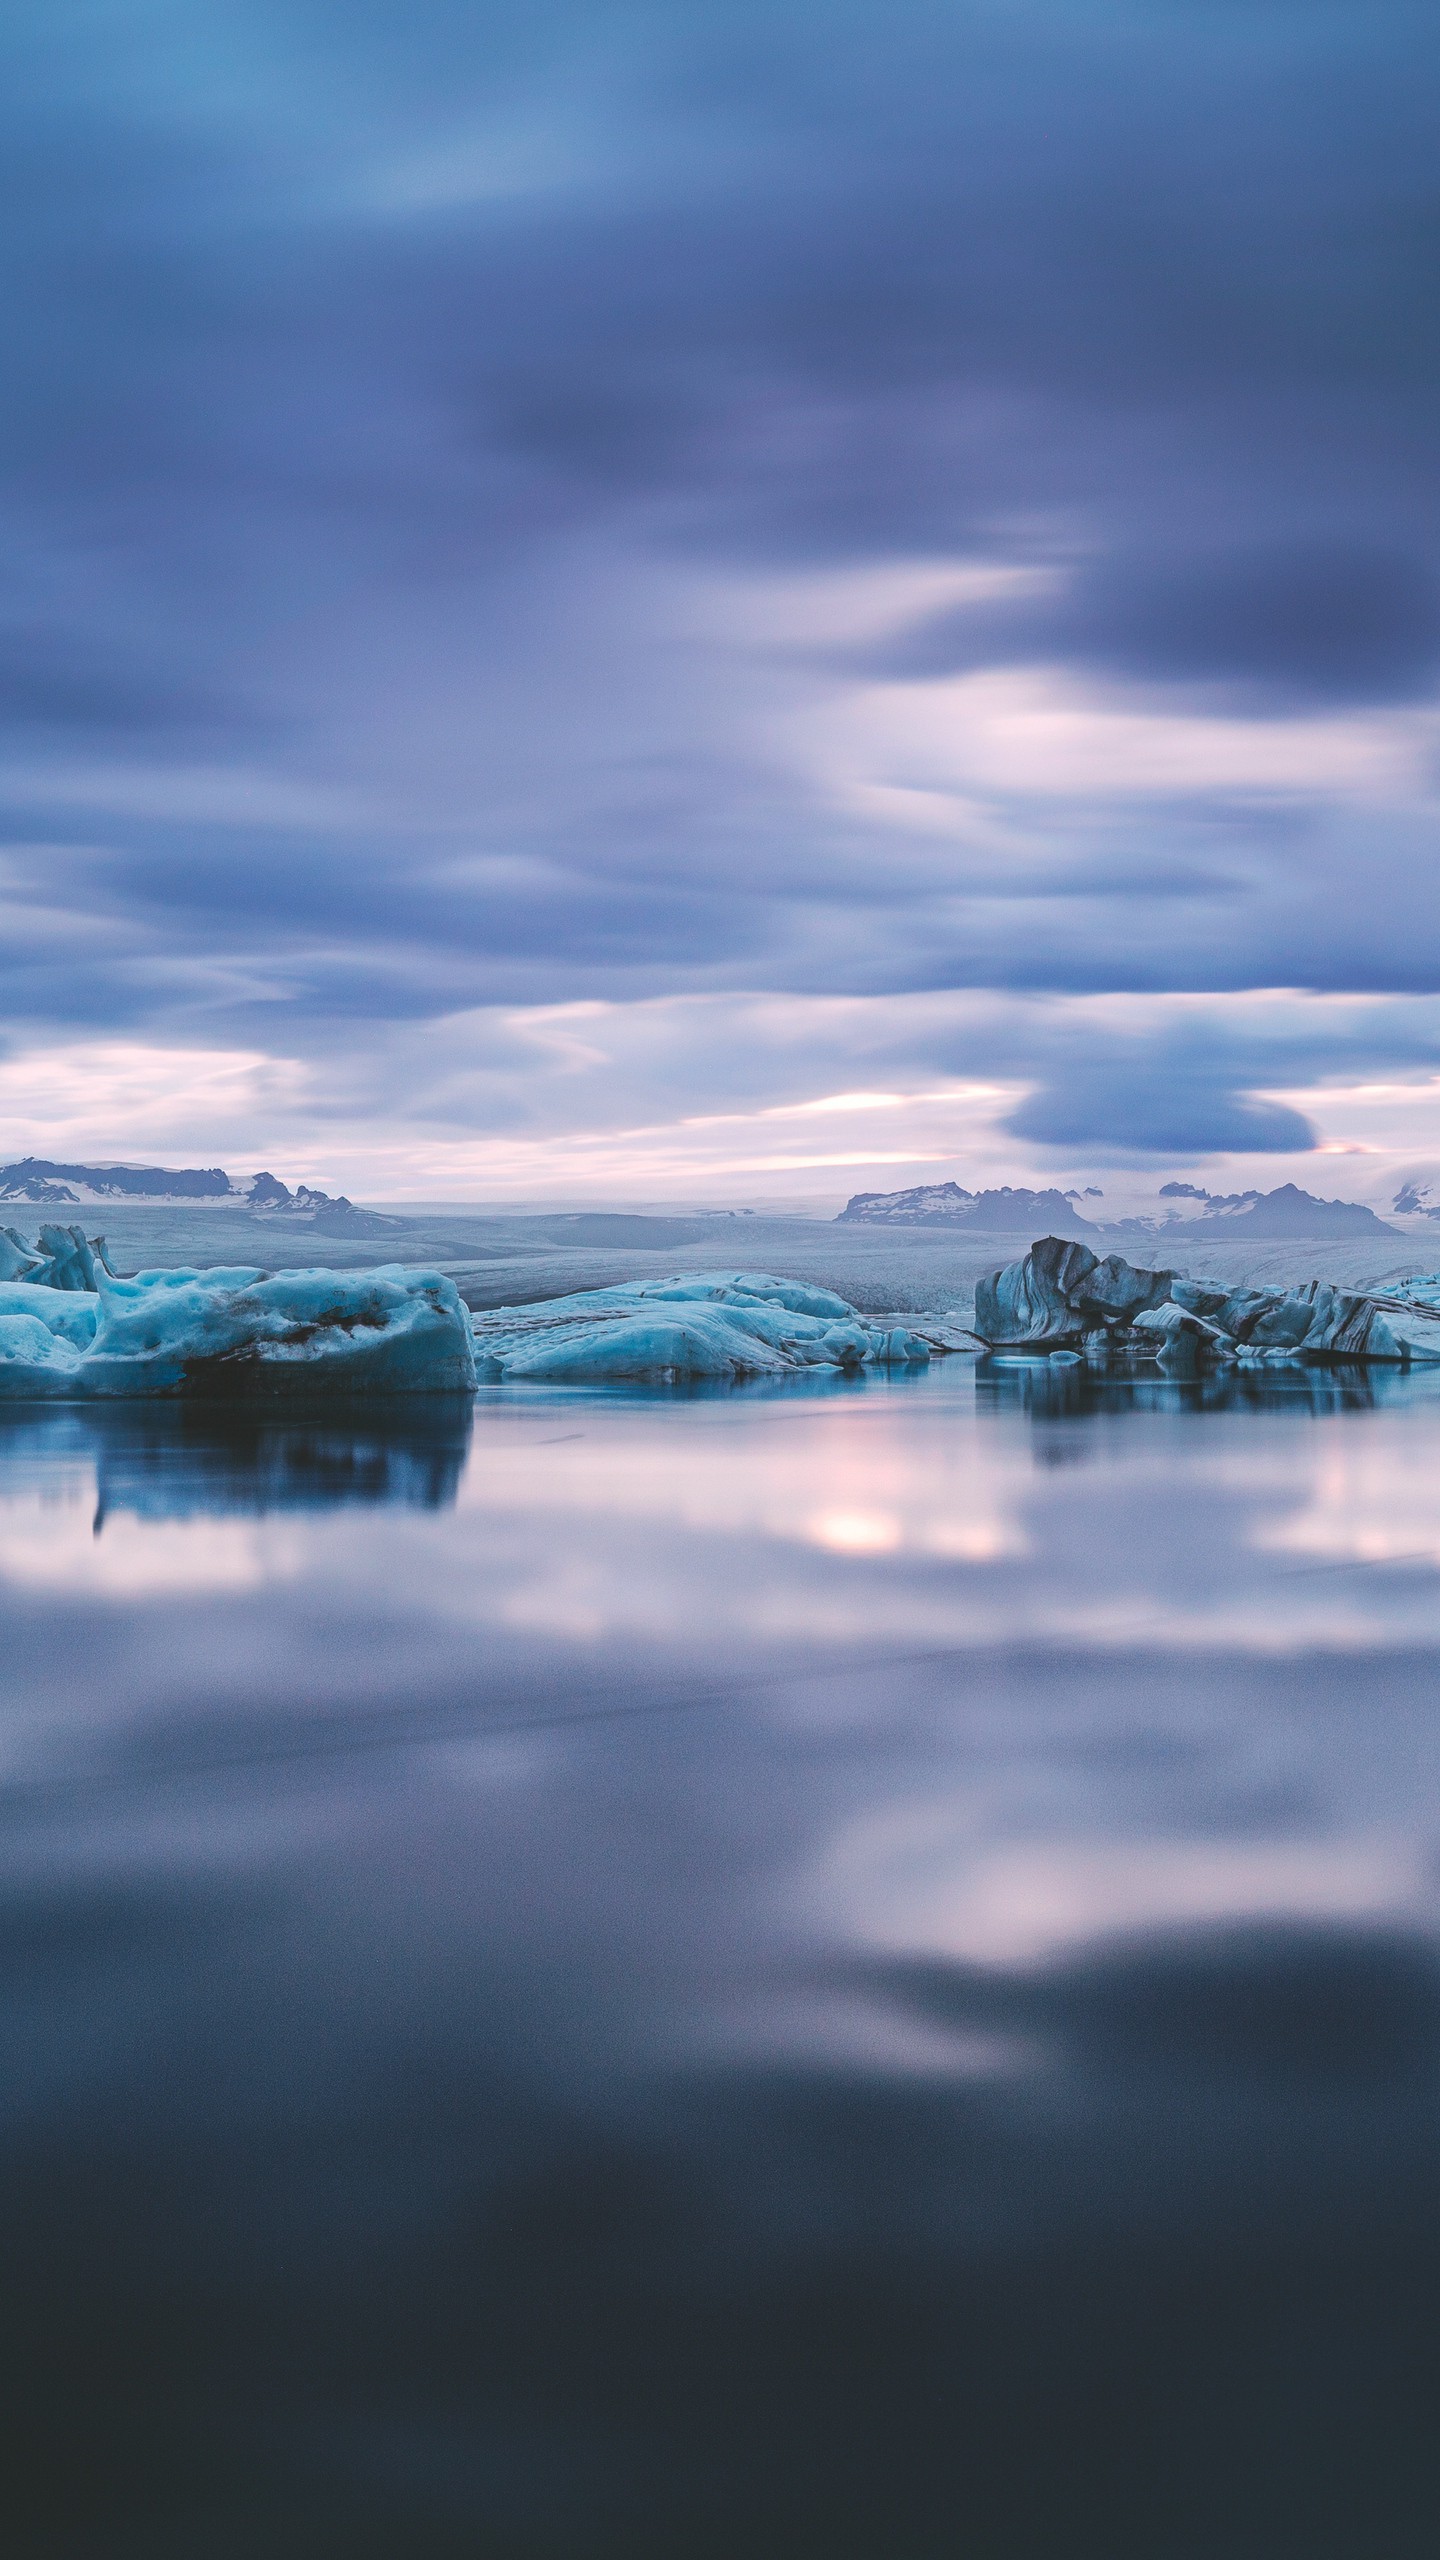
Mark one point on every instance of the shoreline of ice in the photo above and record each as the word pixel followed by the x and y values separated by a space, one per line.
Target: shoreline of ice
pixel 398 1329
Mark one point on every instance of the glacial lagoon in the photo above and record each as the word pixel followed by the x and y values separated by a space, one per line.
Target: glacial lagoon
pixel 844 1966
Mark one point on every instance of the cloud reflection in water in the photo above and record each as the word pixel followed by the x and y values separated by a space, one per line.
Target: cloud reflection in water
pixel 575 2015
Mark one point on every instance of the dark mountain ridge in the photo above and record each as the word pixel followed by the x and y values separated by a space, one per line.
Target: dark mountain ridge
pixel 42 1183
pixel 36 1178
pixel 948 1204
pixel 1290 1212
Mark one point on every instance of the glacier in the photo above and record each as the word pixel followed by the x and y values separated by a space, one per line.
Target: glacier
pixel 240 1331
pixel 709 1324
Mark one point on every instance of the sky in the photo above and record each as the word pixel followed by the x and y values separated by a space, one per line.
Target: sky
pixel 722 602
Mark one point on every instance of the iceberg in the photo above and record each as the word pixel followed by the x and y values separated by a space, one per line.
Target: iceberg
pixel 65 1258
pixel 17 1262
pixel 1060 1293
pixel 1060 1298
pixel 396 1330
pixel 713 1324
pixel 71 1259
pixel 240 1331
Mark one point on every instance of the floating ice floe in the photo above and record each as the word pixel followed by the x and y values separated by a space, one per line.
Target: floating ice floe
pixel 1063 1298
pixel 713 1324
pixel 170 1333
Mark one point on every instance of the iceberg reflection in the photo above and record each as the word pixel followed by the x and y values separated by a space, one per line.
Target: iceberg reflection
pixel 181 1462
pixel 1046 1387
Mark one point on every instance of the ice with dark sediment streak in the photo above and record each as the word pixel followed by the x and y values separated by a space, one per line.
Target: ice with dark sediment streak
pixel 1061 1297
pixel 243 1331
pixel 711 1324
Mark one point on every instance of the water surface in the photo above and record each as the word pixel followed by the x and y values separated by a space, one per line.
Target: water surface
pixel 846 1970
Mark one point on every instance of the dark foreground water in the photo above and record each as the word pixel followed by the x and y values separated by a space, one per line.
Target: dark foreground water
pixel 847 1973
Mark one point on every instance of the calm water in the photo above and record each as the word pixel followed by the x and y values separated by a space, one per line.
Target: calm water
pixel 840 1972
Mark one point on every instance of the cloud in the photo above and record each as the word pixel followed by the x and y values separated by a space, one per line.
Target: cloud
pixel 1309 621
pixel 709 1097
pixel 1267 628
pixel 610 504
pixel 1156 1105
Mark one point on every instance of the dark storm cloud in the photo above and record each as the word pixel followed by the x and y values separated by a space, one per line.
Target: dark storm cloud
pixel 367 367
pixel 1289 626
pixel 1167 1108
pixel 1178 1091
pixel 1186 1087
pixel 1337 624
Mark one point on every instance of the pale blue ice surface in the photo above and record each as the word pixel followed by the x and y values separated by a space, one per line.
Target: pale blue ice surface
pixel 711 1324
pixel 168 1332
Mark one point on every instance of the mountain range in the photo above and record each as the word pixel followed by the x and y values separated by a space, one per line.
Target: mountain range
pixel 948 1204
pixel 43 1184
pixel 1279 1215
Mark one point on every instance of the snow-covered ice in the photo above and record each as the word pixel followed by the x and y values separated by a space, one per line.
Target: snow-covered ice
pixel 168 1333
pixel 711 1324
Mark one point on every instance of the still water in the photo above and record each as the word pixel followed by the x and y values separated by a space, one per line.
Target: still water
pixel 850 1971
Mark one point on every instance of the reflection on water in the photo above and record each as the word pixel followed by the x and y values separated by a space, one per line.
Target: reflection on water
pixel 175 1462
pixel 1048 1387
pixel 852 1972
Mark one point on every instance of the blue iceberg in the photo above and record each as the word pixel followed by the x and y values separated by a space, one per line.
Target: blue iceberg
pixel 242 1331
pixel 1061 1299
pixel 712 1324
pixel 17 1262
pixel 395 1330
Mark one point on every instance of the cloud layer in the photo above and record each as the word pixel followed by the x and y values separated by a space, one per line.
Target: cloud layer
pixel 628 507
